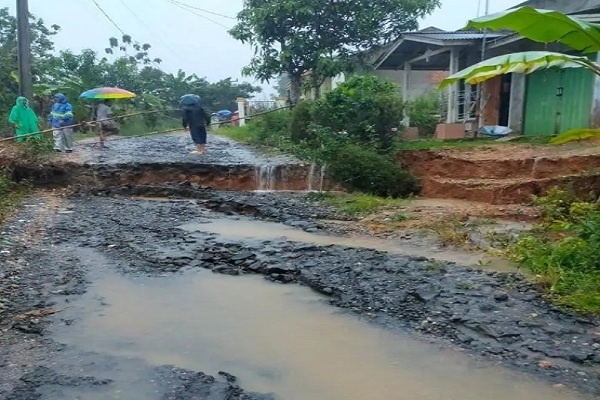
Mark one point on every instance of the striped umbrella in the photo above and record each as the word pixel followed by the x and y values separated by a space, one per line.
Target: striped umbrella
pixel 107 93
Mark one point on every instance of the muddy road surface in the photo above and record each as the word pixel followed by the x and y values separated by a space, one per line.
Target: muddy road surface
pixel 175 291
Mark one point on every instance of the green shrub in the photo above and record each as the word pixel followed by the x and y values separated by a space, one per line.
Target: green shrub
pixel 358 167
pixel 367 109
pixel 423 112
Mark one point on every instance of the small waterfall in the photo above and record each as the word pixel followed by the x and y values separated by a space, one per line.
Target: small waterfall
pixel 265 177
pixel 313 177
pixel 322 177
pixel 536 161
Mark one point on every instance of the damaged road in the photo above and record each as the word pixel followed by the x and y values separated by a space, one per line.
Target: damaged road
pixel 81 239
pixel 127 287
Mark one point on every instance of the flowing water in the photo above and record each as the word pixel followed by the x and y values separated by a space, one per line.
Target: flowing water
pixel 242 228
pixel 277 339
pixel 270 177
pixel 266 177
pixel 312 176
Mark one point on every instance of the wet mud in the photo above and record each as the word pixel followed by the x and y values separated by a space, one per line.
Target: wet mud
pixel 90 335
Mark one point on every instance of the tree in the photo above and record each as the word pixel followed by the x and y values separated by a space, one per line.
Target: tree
pixel 41 50
pixel 293 37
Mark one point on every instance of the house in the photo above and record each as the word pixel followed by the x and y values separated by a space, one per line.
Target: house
pixel 419 82
pixel 545 102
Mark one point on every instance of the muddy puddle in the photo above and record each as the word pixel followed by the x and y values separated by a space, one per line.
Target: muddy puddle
pixel 242 228
pixel 277 339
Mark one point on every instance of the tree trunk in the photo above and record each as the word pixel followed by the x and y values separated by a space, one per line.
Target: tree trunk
pixel 295 87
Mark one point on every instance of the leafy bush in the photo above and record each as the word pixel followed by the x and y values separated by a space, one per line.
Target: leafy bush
pixel 358 167
pixel 423 112
pixel 363 169
pixel 367 109
pixel 563 250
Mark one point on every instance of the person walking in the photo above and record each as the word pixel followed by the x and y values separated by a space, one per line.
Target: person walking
pixel 196 119
pixel 23 118
pixel 104 116
pixel 61 117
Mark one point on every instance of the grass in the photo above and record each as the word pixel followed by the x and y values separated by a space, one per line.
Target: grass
pixel 562 251
pixel 426 144
pixel 358 203
pixel 242 134
pixel 451 231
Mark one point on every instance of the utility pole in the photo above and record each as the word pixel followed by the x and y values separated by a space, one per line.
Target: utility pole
pixel 485 31
pixel 24 49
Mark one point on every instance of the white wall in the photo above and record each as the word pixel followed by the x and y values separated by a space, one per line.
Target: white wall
pixel 419 82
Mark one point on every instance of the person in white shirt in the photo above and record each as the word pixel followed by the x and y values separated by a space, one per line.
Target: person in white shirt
pixel 107 125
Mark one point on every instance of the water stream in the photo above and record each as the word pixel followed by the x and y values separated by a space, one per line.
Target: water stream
pixel 277 339
pixel 265 177
pixel 249 229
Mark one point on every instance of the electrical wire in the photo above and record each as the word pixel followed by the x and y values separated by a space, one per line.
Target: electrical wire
pixel 198 14
pixel 203 10
pixel 108 17
pixel 141 21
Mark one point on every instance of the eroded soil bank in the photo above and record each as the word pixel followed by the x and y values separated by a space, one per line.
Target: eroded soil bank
pixel 505 174
pixel 69 262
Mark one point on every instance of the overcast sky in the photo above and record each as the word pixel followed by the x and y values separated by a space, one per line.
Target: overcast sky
pixel 192 40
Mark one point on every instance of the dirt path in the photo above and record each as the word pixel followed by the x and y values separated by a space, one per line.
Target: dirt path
pixel 168 291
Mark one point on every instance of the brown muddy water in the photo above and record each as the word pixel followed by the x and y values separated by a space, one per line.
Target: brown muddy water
pixel 243 228
pixel 281 339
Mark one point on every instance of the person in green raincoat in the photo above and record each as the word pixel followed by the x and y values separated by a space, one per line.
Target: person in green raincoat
pixel 23 118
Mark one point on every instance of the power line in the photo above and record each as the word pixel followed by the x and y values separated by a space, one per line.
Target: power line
pixel 148 28
pixel 203 10
pixel 108 17
pixel 198 14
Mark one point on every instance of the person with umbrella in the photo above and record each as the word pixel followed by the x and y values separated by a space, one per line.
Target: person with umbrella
pixel 23 118
pixel 195 119
pixel 61 118
pixel 104 115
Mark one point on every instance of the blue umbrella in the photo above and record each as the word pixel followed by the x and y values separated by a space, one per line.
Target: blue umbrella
pixel 224 113
pixel 189 100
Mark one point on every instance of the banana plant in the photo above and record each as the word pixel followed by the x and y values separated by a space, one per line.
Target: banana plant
pixel 524 63
pixel 575 134
pixel 543 26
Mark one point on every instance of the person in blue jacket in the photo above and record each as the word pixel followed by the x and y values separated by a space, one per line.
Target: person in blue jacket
pixel 61 118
